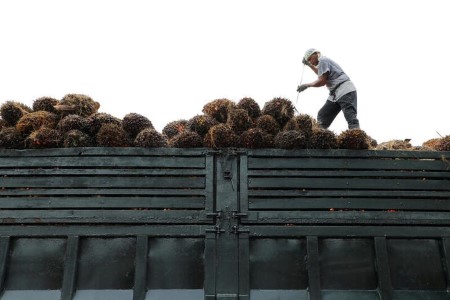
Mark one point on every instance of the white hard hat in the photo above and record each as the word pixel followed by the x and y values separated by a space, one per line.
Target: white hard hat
pixel 310 52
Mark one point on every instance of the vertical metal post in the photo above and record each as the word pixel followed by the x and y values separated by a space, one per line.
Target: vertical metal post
pixel 210 266
pixel 227 282
pixel 70 268
pixel 384 274
pixel 4 254
pixel 209 182
pixel 140 269
pixel 210 237
pixel 446 251
pixel 313 268
pixel 243 186
pixel 244 266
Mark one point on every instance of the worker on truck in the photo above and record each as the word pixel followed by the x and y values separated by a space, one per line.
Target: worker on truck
pixel 342 90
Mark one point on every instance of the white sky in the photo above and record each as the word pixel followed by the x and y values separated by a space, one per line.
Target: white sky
pixel 166 59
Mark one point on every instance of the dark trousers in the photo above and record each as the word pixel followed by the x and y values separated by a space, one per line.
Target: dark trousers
pixel 329 111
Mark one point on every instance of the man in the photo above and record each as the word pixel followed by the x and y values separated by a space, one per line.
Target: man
pixel 342 91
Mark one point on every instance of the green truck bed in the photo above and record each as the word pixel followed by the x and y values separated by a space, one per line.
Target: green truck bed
pixel 163 224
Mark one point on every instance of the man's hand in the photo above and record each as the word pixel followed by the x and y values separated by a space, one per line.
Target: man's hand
pixel 302 87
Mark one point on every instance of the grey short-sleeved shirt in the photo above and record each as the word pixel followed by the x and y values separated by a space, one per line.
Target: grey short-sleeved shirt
pixel 335 76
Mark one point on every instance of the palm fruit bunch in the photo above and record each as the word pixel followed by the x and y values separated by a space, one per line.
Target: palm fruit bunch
pixel 218 109
pixel 175 127
pixel 239 120
pixel 150 138
pixel 78 104
pixel 355 139
pixel 443 144
pixel 43 138
pixel 186 139
pixel 73 122
pixel 112 135
pixel 323 139
pixel 372 143
pixel 268 124
pixel 46 104
pixel 395 145
pixel 12 111
pixel 134 123
pixel 291 139
pixel 303 123
pixel 431 144
pixel 97 120
pixel 35 120
pixel 77 138
pixel 279 108
pixel 11 138
pixel 220 136
pixel 251 106
pixel 201 124
pixel 255 138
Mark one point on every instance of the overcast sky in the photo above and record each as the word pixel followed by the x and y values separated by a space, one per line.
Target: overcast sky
pixel 166 59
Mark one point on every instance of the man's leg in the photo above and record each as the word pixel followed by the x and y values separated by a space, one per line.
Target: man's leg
pixel 327 114
pixel 348 104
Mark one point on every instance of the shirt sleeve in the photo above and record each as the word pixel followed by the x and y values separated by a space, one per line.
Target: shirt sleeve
pixel 324 66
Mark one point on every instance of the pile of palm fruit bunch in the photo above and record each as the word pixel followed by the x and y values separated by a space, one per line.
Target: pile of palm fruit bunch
pixel 75 121
pixel 224 123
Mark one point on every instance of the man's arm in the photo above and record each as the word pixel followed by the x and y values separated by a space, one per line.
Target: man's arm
pixel 321 80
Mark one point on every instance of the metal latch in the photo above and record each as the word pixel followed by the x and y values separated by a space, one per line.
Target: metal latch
pixel 227 175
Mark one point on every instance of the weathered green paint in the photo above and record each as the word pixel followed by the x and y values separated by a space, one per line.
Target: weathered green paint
pixel 223 205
